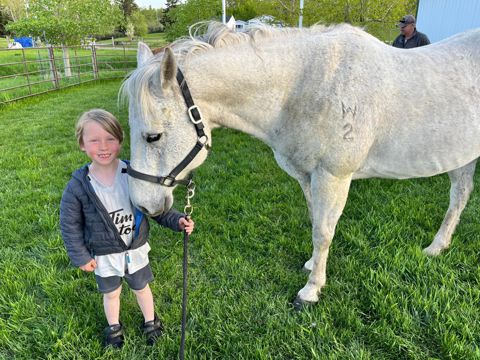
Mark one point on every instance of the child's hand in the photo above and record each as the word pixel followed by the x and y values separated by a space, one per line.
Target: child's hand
pixel 186 225
pixel 90 266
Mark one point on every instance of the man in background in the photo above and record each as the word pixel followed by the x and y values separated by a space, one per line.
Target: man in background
pixel 409 36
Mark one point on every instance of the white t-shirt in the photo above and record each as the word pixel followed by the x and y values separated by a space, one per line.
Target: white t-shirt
pixel 116 200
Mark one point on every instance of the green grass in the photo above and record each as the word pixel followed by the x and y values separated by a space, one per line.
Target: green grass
pixel 153 40
pixel 383 299
pixel 27 71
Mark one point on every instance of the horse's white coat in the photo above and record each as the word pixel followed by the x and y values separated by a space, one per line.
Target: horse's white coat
pixel 334 104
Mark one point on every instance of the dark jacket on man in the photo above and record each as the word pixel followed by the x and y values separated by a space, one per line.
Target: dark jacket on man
pixel 418 39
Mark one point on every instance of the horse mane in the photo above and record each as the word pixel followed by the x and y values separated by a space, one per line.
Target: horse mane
pixel 207 35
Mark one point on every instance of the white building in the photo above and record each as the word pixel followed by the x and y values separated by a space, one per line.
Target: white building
pixel 240 25
pixel 439 19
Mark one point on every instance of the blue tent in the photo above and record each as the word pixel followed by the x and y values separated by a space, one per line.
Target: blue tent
pixel 439 19
pixel 26 42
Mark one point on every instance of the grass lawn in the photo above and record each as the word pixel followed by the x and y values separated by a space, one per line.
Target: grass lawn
pixel 153 40
pixel 383 299
pixel 24 72
pixel 28 71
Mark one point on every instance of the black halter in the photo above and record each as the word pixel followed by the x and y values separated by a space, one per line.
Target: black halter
pixel 196 118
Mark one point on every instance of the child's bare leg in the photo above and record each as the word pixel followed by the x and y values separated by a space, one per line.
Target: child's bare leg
pixel 111 306
pixel 145 301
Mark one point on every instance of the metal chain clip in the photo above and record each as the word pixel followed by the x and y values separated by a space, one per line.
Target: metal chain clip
pixel 188 209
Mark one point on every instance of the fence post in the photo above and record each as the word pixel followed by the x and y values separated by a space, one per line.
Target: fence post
pixel 94 61
pixel 125 62
pixel 25 71
pixel 53 68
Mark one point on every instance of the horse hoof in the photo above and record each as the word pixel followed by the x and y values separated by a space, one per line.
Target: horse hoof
pixel 432 251
pixel 299 304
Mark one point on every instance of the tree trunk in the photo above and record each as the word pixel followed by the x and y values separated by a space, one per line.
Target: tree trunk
pixel 66 61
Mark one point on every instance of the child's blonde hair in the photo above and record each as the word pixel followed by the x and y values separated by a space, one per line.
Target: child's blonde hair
pixel 106 120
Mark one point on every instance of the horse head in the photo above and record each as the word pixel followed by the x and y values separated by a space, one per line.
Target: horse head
pixel 168 138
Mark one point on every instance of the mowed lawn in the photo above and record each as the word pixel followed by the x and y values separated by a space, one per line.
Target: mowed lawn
pixel 383 300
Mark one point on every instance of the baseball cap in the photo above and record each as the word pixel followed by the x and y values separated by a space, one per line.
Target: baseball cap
pixel 407 19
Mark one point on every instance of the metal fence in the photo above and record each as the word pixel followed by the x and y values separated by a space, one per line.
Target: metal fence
pixel 32 71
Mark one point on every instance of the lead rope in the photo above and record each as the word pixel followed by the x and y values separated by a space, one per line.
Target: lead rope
pixel 188 212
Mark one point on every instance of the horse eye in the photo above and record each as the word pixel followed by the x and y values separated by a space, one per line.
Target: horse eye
pixel 153 137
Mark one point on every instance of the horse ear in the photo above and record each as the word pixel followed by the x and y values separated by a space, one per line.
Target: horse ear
pixel 168 69
pixel 143 53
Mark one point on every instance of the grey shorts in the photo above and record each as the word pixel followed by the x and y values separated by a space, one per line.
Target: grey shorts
pixel 136 281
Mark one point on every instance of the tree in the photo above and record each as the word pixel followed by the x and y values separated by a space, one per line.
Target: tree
pixel 13 9
pixel 166 19
pixel 152 17
pixel 191 12
pixel 67 22
pixel 377 16
pixel 139 23
pixel 130 31
pixel 4 19
pixel 128 7
pixel 246 9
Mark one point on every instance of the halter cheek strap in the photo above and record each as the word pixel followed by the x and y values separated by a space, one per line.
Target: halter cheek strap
pixel 196 118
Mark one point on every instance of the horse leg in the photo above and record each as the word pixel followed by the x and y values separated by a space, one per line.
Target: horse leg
pixel 304 181
pixel 329 195
pixel 462 186
pixel 307 191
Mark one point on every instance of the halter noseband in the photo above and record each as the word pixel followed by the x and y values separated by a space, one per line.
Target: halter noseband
pixel 196 118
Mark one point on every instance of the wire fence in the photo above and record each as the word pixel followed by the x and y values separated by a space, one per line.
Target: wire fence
pixel 32 71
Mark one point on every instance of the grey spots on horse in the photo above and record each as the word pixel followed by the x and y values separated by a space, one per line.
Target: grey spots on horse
pixel 348 130
pixel 348 115
pixel 346 110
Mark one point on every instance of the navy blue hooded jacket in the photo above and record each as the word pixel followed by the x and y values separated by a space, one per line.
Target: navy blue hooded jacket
pixel 88 230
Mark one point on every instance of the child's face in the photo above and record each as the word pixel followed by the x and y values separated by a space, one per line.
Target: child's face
pixel 99 145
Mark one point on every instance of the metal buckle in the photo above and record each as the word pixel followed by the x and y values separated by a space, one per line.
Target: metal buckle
pixel 192 119
pixel 168 181
pixel 203 140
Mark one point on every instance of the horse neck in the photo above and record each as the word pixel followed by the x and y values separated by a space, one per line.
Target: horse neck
pixel 236 90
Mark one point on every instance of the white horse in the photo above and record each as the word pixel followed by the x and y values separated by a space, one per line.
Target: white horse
pixel 334 104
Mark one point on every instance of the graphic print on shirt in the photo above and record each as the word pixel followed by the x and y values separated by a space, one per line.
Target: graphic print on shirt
pixel 123 221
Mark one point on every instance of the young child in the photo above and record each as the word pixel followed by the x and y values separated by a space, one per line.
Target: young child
pixel 102 231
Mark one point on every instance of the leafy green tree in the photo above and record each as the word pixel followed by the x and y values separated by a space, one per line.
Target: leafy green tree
pixel 130 31
pixel 190 13
pixel 128 7
pixel 246 9
pixel 377 16
pixel 4 19
pixel 357 12
pixel 166 19
pixel 67 22
pixel 12 9
pixel 152 17
pixel 139 23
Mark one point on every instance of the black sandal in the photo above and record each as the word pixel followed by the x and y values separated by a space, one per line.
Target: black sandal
pixel 114 336
pixel 152 330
